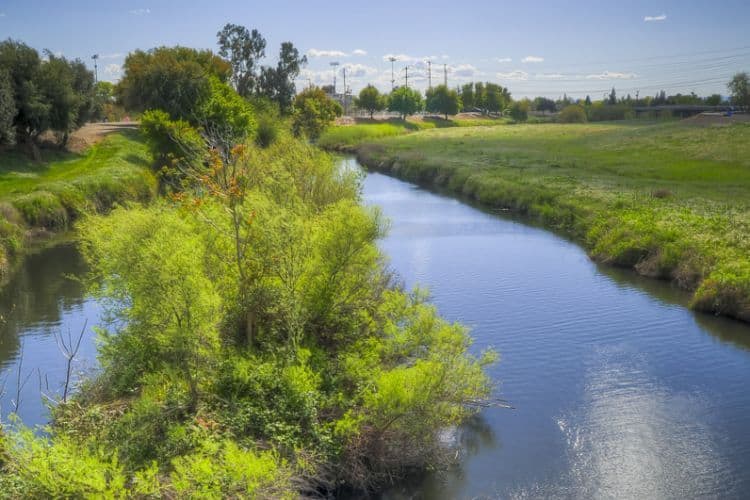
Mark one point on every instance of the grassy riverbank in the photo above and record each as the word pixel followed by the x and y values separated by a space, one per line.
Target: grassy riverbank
pixel 43 198
pixel 670 200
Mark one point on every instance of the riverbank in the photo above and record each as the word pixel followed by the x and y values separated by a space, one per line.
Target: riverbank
pixel 670 200
pixel 41 200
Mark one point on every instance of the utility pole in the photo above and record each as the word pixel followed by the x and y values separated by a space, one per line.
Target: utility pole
pixel 393 79
pixel 344 70
pixel 406 69
pixel 334 64
pixel 445 75
pixel 429 74
pixel 96 69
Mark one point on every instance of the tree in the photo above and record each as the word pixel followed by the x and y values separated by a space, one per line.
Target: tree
pixel 544 104
pixel 588 100
pixel 467 96
pixel 7 110
pixel 612 99
pixel 405 101
pixel 245 49
pixel 573 113
pixel 174 79
pixel 713 100
pixel 739 88
pixel 496 98
pixel 313 112
pixel 371 100
pixel 278 83
pixel 519 110
pixel 443 100
pixel 23 66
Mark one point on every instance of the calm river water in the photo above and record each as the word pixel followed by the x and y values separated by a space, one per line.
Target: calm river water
pixel 619 390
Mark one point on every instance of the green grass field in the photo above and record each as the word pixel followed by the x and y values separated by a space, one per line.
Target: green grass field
pixel 343 136
pixel 52 194
pixel 668 199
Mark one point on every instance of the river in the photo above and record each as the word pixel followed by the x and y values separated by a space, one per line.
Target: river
pixel 618 389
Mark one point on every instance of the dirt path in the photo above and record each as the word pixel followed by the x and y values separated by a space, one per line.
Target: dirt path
pixel 91 133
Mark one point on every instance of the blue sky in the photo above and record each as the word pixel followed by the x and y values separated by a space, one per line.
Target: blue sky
pixel 533 47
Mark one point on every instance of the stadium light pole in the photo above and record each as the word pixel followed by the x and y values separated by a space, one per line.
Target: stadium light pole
pixel 334 65
pixel 393 78
pixel 96 69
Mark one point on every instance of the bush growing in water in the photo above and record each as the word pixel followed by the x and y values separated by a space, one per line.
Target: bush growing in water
pixel 256 314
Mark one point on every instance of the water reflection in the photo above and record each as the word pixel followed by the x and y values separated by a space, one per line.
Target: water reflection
pixel 42 299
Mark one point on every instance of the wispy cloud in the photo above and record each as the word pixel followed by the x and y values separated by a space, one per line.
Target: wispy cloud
pixel 611 75
pixel 113 71
pixel 139 12
pixel 513 75
pixel 359 70
pixel 651 19
pixel 418 61
pixel 532 59
pixel 326 53
pixel 116 55
pixel 464 70
pixel 503 59
pixel 359 52
pixel 549 76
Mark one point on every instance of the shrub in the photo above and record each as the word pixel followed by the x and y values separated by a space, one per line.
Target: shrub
pixel 313 112
pixel 519 110
pixel 572 114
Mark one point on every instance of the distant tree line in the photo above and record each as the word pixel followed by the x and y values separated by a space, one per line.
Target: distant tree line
pixel 44 92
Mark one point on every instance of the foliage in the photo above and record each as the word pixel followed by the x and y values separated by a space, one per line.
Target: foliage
pixel 7 110
pixel 371 100
pixel 244 49
pixel 173 79
pixel 443 100
pixel 519 110
pixel 277 84
pixel 486 97
pixel 574 113
pixel 600 111
pixel 405 101
pixel 739 87
pixel 544 104
pixel 38 94
pixel 313 112
pixel 252 313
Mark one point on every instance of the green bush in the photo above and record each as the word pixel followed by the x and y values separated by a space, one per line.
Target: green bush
pixel 572 114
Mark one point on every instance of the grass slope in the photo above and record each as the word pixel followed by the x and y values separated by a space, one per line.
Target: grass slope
pixel 51 195
pixel 670 200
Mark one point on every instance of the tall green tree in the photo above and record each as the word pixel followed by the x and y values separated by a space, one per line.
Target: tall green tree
pixel 23 66
pixel 244 49
pixel 443 100
pixel 739 88
pixel 467 96
pixel 371 100
pixel 173 79
pixel 405 101
pixel 278 83
pixel 7 109
pixel 544 104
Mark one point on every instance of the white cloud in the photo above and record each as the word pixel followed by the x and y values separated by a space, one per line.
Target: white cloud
pixel 113 70
pixel 359 70
pixel 513 75
pixel 359 52
pixel 326 53
pixel 464 70
pixel 116 55
pixel 140 12
pixel 398 57
pixel 445 56
pixel 549 76
pixel 532 59
pixel 650 19
pixel 503 59
pixel 611 75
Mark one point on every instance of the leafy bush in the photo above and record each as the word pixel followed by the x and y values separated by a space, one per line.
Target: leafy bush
pixel 572 114
pixel 519 110
pixel 313 112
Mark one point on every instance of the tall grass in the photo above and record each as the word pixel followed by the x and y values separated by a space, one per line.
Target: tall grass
pixel 37 198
